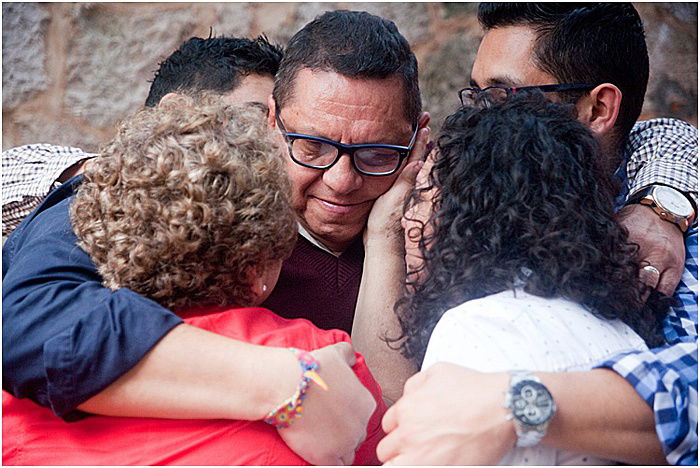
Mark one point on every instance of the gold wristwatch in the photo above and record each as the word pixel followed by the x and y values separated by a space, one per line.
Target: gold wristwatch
pixel 670 204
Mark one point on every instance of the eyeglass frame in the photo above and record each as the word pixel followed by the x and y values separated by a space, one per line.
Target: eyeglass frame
pixel 342 148
pixel 512 90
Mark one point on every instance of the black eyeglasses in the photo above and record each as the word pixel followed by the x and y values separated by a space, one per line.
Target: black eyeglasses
pixel 368 158
pixel 471 96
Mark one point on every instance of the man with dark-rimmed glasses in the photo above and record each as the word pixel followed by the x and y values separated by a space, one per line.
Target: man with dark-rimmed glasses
pixel 349 84
pixel 372 159
pixel 594 57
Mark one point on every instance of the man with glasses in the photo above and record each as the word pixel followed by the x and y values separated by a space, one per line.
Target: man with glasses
pixel 593 56
pixel 347 101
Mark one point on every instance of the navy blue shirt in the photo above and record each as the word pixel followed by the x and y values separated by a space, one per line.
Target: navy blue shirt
pixel 65 336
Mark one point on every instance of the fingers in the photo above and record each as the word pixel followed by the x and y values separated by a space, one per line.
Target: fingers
pixel 398 461
pixel 346 350
pixel 388 447
pixel 650 276
pixel 413 383
pixel 418 153
pixel 424 119
pixel 390 419
pixel 347 459
pixel 665 282
pixel 669 281
pixel 408 175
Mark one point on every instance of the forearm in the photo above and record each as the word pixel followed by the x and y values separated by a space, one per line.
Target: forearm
pixel 193 373
pixel 663 151
pixel 382 280
pixel 599 413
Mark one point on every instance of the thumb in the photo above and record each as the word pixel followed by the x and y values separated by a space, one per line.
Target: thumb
pixel 346 351
pixel 407 178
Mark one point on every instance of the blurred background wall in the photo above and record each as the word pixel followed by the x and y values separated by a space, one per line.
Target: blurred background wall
pixel 70 71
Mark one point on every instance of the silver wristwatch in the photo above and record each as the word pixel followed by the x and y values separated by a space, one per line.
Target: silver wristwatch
pixel 531 407
pixel 670 204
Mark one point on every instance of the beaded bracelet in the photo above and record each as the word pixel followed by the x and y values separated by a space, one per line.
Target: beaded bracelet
pixel 290 410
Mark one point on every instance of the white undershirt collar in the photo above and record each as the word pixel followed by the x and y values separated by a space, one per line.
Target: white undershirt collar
pixel 305 234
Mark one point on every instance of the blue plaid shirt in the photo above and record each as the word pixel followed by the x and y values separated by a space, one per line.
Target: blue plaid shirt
pixel 667 377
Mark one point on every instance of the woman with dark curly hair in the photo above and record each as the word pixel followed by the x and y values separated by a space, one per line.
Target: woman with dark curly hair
pixel 515 259
pixel 188 205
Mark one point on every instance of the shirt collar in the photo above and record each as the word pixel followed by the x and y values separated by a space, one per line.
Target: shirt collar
pixel 305 234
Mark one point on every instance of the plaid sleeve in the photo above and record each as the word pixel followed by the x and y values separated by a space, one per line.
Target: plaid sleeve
pixel 663 151
pixel 29 173
pixel 667 377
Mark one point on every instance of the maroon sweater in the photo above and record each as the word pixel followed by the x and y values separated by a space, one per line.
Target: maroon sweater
pixel 318 286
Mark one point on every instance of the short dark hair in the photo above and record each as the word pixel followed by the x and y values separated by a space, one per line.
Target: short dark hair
pixel 355 44
pixel 585 43
pixel 520 197
pixel 214 64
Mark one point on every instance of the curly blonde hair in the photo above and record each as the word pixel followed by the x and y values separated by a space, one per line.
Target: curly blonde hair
pixel 186 204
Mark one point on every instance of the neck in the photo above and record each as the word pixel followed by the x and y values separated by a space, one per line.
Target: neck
pixel 611 158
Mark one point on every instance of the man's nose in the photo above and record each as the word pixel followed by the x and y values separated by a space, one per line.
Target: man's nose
pixel 342 177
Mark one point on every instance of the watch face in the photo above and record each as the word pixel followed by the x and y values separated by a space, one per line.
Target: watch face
pixel 532 403
pixel 671 200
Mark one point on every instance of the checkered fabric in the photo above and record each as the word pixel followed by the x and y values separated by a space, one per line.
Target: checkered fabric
pixel 663 151
pixel 667 377
pixel 29 173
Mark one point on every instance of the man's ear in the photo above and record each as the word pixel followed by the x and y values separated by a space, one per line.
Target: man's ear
pixel 423 119
pixel 272 112
pixel 599 109
pixel 173 97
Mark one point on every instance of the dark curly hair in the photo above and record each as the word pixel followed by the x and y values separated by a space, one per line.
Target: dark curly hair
pixel 519 196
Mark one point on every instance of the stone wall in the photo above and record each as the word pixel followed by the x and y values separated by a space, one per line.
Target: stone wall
pixel 71 70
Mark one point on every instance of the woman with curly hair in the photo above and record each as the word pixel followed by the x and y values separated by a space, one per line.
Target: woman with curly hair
pixel 515 259
pixel 189 206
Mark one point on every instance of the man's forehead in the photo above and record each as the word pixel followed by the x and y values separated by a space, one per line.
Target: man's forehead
pixel 252 88
pixel 355 102
pixel 328 84
pixel 505 58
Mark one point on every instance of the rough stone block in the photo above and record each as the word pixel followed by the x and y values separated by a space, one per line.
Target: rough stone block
pixel 281 21
pixel 444 72
pixel 234 20
pixel 673 84
pixel 23 52
pixel 451 9
pixel 38 128
pixel 113 57
pixel 412 19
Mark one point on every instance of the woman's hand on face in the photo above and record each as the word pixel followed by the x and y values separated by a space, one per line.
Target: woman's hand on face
pixel 384 222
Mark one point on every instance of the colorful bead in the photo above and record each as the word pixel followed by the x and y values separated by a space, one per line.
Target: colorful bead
pixel 285 414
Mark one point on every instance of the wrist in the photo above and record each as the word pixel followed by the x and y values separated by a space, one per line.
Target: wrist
pixel 669 204
pixel 383 243
pixel 531 407
pixel 290 409
pixel 277 381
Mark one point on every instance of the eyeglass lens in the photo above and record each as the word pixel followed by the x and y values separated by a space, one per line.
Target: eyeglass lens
pixel 476 96
pixel 319 154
